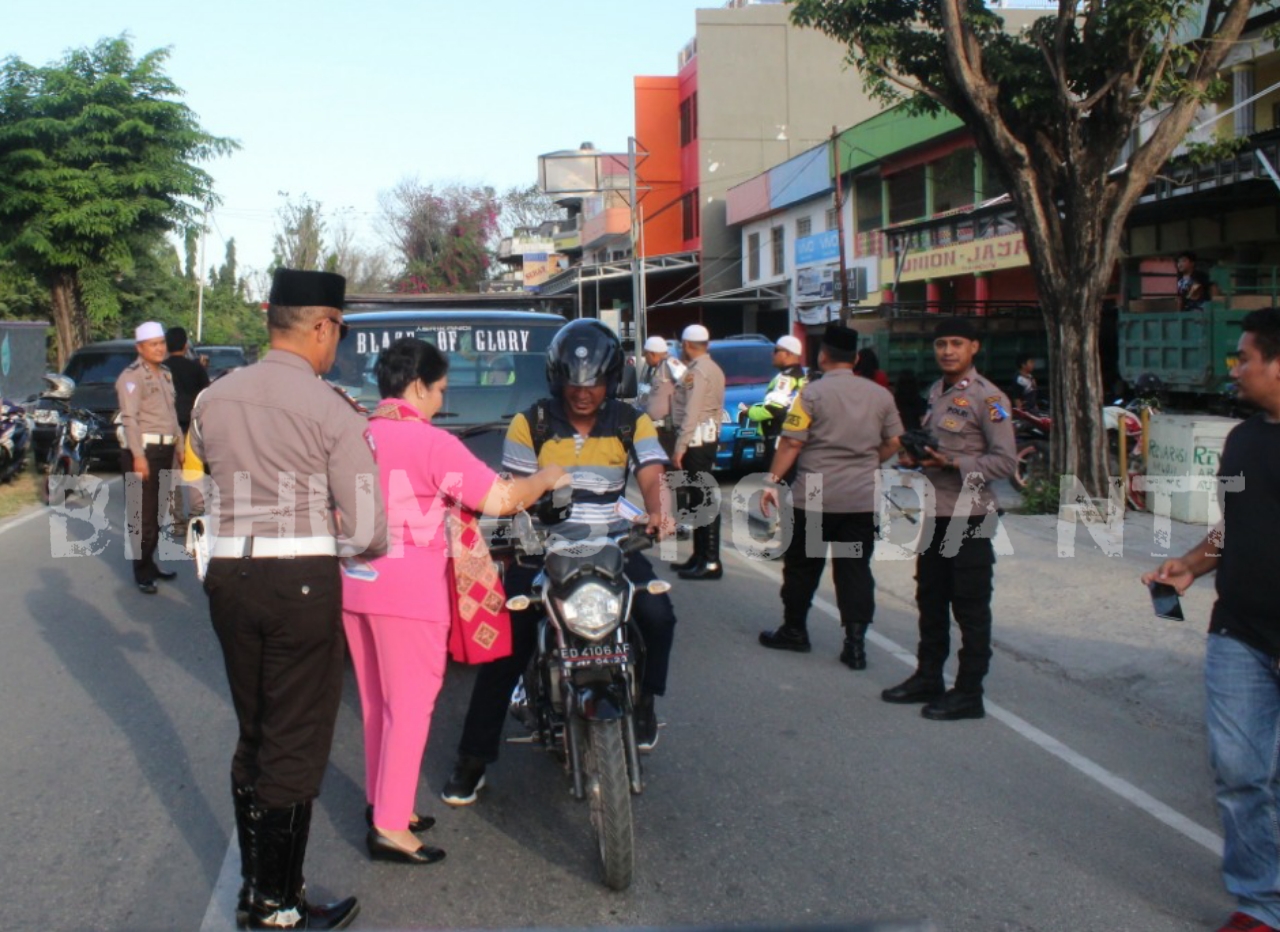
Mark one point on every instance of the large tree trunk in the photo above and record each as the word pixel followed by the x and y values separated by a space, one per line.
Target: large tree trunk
pixel 68 316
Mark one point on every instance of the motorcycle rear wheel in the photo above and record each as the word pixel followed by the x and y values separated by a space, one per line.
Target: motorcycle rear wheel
pixel 1033 463
pixel 609 791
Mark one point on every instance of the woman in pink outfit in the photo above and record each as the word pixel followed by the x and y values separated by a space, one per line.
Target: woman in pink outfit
pixel 397 608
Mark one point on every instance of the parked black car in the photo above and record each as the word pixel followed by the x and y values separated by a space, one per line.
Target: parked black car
pixel 94 369
pixel 222 359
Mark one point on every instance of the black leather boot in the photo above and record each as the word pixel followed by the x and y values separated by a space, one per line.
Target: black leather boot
pixel 787 637
pixel 708 564
pixel 242 795
pixel 278 899
pixel 854 654
pixel 918 687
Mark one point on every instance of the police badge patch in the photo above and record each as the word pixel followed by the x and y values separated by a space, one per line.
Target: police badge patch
pixel 996 409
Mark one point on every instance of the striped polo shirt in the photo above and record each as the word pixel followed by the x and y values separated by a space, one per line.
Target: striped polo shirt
pixel 597 463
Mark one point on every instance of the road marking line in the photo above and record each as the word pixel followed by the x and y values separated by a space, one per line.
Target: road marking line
pixel 23 519
pixel 220 914
pixel 1094 771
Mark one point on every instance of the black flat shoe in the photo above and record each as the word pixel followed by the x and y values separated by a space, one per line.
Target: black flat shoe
pixel 382 848
pixel 166 574
pixel 416 824
pixel 149 588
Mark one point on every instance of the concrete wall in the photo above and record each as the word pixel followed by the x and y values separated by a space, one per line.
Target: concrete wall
pixel 767 91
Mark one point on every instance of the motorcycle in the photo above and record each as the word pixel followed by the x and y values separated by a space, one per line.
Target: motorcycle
pixel 71 451
pixel 1031 433
pixel 579 692
pixel 15 439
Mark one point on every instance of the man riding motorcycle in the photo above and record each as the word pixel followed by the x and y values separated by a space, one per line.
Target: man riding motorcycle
pixel 585 429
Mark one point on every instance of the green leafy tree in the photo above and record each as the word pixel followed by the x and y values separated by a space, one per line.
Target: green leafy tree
pixel 442 237
pixel 527 208
pixel 1052 108
pixel 96 152
pixel 300 229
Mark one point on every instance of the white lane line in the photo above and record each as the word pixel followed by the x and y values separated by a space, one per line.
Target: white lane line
pixel 19 521
pixel 1094 771
pixel 220 914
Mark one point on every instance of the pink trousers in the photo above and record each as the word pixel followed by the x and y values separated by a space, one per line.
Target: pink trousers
pixel 399 665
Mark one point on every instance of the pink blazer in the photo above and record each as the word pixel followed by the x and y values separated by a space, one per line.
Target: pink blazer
pixel 417 462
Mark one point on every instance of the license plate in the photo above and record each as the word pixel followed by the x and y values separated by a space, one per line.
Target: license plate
pixel 599 655
pixel 44 416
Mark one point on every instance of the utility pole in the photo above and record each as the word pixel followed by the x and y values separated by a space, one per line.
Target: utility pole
pixel 844 273
pixel 637 270
pixel 204 228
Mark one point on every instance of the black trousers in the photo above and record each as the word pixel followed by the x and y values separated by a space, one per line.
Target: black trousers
pixel 802 570
pixel 697 460
pixel 654 615
pixel 144 525
pixel 280 626
pixel 959 585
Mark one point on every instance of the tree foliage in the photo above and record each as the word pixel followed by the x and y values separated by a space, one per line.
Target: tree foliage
pixel 299 240
pixel 1052 108
pixel 441 236
pixel 526 207
pixel 97 155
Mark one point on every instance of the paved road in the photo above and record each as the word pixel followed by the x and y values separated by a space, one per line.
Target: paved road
pixel 782 789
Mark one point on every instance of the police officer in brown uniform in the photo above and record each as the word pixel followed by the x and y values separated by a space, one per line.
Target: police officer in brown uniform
pixel 664 373
pixel 696 409
pixel 969 416
pixel 145 394
pixel 837 432
pixel 275 594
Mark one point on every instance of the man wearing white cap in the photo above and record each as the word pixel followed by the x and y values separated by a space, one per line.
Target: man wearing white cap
pixel 696 408
pixel 664 372
pixel 153 438
pixel 770 413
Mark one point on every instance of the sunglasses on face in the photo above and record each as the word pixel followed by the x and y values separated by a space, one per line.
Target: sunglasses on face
pixel 343 329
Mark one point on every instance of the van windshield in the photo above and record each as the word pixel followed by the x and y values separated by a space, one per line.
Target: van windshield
pixel 495 370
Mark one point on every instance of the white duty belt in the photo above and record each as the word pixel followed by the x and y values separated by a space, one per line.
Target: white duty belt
pixel 273 547
pixel 164 440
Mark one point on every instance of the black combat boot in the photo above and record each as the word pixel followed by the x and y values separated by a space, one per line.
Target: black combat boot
pixel 708 564
pixel 787 637
pixel 918 687
pixel 242 795
pixel 277 891
pixel 854 654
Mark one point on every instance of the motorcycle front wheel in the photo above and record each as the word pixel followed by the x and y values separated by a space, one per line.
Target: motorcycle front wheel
pixel 1033 463
pixel 56 475
pixel 609 791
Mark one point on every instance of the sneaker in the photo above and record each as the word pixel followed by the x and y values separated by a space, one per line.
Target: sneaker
pixel 465 781
pixel 646 724
pixel 1242 922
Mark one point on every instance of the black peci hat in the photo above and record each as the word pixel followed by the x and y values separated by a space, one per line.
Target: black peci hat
pixel 840 337
pixel 295 288
pixel 955 327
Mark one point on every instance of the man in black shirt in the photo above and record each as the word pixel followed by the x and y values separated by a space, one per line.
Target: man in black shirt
pixel 1242 658
pixel 189 379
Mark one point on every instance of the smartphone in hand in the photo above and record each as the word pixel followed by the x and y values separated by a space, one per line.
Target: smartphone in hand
pixel 1164 599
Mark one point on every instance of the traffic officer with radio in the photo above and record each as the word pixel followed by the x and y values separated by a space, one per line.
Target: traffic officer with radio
pixel 971 444
pixel 665 372
pixel 296 488
pixel 838 431
pixel 770 413
pixel 697 408
pixel 152 438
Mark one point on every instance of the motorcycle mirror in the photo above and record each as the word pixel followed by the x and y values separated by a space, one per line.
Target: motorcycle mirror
pixel 658 587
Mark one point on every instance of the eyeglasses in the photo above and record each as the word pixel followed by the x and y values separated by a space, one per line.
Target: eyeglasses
pixel 343 329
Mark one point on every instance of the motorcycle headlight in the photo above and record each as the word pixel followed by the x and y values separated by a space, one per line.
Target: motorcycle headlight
pixel 79 430
pixel 592 611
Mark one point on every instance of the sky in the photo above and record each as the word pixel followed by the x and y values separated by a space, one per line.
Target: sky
pixel 338 101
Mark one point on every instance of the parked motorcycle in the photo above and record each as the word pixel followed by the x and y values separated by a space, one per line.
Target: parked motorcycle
pixel 578 695
pixel 71 451
pixel 1031 433
pixel 15 439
